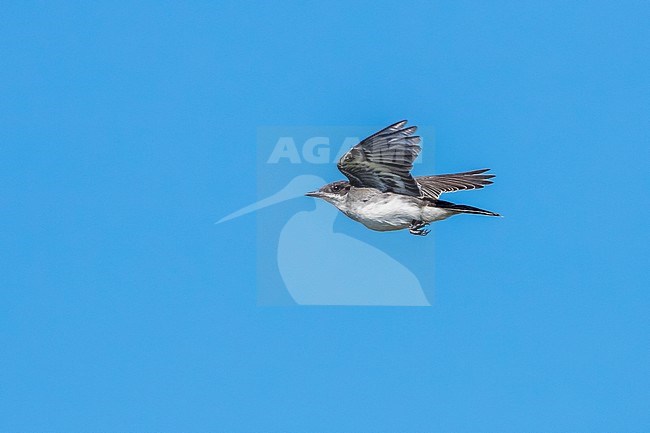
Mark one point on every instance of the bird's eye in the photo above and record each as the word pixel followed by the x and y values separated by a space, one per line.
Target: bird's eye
pixel 335 188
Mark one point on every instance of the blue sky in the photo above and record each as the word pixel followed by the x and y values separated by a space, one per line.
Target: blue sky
pixel 127 130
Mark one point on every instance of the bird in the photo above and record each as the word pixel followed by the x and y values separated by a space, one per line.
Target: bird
pixel 382 194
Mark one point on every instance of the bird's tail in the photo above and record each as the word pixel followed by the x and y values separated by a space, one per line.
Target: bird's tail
pixel 462 208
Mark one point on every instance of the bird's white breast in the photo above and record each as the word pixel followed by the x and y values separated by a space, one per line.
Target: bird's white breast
pixel 380 211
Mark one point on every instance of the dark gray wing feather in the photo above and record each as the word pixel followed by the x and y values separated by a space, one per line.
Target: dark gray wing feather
pixel 433 186
pixel 384 161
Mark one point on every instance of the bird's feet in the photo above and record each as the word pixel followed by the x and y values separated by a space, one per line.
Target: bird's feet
pixel 417 228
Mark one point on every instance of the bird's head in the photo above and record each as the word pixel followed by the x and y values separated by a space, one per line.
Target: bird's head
pixel 334 192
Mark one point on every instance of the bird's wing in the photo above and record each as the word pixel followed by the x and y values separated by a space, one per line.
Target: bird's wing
pixel 433 186
pixel 384 161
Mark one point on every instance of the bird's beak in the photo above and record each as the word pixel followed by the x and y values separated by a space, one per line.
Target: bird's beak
pixel 314 194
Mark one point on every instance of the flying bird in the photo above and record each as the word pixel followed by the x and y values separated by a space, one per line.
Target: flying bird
pixel 382 194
